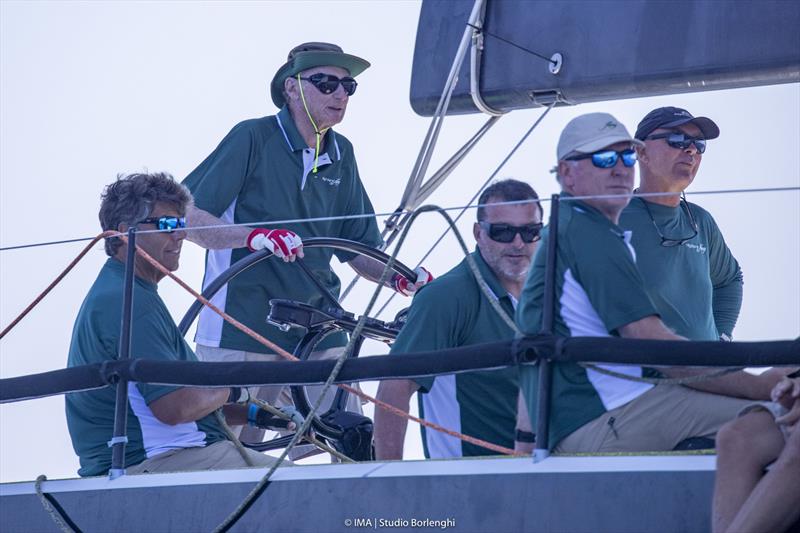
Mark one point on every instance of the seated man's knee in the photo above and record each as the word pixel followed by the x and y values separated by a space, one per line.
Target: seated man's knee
pixel 753 437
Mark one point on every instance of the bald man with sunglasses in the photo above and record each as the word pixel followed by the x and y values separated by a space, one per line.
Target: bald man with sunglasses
pixel 453 311
pixel 601 292
pixel 289 166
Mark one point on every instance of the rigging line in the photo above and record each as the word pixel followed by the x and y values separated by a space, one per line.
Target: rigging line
pixel 387 214
pixel 55 282
pixel 515 45
pixel 54 509
pixel 687 380
pixel 477 194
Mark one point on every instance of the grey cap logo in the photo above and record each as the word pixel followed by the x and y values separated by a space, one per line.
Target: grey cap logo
pixel 610 125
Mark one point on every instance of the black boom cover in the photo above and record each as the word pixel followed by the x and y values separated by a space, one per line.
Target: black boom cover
pixel 611 49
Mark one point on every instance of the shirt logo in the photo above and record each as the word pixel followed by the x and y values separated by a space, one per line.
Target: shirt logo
pixel 333 182
pixel 699 248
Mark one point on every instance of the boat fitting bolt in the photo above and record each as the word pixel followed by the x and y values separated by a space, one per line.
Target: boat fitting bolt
pixel 556 60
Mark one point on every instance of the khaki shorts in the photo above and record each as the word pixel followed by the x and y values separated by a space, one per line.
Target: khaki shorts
pixel 658 420
pixel 218 456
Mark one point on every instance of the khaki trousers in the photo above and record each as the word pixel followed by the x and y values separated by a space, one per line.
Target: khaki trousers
pixel 221 455
pixel 658 420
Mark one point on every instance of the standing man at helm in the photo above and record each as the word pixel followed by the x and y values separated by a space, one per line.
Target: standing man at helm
pixel 288 166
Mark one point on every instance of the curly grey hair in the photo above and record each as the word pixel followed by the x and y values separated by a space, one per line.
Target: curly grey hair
pixel 132 197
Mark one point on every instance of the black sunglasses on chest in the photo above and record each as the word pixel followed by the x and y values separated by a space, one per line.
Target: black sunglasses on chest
pixel 327 83
pixel 505 233
pixel 668 241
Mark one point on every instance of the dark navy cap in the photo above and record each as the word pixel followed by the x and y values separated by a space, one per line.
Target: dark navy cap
pixel 668 117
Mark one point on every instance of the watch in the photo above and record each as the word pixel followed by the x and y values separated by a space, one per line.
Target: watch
pixel 524 436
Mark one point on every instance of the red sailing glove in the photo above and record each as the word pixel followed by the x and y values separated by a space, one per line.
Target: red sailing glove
pixel 281 242
pixel 405 287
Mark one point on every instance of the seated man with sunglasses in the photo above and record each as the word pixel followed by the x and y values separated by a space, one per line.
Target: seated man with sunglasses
pixel 691 275
pixel 453 311
pixel 289 166
pixel 169 427
pixel 600 292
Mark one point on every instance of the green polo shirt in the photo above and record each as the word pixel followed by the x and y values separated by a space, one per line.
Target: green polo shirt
pixel 598 290
pixel 262 171
pixel 95 339
pixel 450 312
pixel 697 286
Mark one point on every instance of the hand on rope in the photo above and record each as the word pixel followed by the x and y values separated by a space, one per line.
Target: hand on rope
pixel 283 243
pixel 405 287
pixel 278 418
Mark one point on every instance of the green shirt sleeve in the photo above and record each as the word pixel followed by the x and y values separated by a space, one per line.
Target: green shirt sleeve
pixel 726 279
pixel 217 181
pixel 434 323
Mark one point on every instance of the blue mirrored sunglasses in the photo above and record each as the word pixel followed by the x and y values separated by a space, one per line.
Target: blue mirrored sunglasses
pixel 166 223
pixel 609 158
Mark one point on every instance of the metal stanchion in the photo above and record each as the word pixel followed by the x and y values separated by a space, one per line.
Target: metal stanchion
pixel 120 438
pixel 542 450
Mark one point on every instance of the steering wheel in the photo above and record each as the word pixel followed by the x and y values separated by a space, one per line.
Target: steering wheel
pixel 319 323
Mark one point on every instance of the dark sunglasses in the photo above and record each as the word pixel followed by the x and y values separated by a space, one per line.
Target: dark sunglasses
pixel 681 141
pixel 609 158
pixel 506 233
pixel 327 83
pixel 668 241
pixel 166 223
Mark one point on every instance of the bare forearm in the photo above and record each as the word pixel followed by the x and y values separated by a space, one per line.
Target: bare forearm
pixel 235 414
pixel 216 238
pixel 390 429
pixel 739 384
pixel 188 404
pixel 650 327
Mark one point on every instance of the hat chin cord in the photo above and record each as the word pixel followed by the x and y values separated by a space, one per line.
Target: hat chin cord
pixel 318 134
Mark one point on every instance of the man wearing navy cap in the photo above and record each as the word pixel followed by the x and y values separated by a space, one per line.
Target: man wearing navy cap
pixel 601 291
pixel 284 167
pixel 692 276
